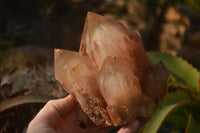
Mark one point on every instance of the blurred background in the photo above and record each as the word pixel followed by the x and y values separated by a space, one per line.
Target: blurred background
pixel 31 29
pixel 170 26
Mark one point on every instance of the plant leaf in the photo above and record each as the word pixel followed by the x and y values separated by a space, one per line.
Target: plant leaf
pixel 178 67
pixel 172 103
pixel 23 100
pixel 178 118
pixel 16 113
pixel 193 124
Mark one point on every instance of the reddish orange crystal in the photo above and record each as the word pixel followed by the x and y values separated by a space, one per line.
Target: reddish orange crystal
pixel 111 77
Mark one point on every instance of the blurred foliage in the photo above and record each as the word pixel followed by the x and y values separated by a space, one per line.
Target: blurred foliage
pixel 4 45
pixel 194 4
pixel 154 4
pixel 18 28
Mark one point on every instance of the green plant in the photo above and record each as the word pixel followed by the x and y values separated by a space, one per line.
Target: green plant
pixel 179 111
pixel 17 112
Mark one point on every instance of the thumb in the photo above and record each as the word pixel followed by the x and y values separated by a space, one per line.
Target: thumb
pixel 55 109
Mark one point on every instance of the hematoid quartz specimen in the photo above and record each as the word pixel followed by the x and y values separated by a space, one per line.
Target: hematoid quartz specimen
pixel 111 77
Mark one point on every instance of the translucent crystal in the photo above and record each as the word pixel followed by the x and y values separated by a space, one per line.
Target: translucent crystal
pixel 155 82
pixel 121 90
pixel 104 37
pixel 77 75
pixel 111 77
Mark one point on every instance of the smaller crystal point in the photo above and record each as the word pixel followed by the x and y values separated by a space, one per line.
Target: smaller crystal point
pixel 77 75
pixel 155 82
pixel 121 90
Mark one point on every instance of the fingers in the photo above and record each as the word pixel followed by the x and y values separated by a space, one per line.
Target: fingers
pixel 130 128
pixel 55 109
pixel 71 124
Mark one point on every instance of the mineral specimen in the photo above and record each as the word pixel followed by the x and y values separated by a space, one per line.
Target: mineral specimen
pixel 111 77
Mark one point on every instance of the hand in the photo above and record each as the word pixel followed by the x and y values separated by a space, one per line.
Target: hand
pixel 60 116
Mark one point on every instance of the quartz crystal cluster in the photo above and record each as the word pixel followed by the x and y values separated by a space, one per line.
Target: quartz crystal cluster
pixel 111 77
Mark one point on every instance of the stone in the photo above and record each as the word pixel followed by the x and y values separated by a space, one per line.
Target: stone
pixel 111 77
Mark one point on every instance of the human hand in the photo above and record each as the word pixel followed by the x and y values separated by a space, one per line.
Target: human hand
pixel 60 116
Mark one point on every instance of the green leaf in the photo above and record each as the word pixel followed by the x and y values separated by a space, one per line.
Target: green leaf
pixel 171 104
pixel 23 100
pixel 193 124
pixel 178 118
pixel 17 112
pixel 178 67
